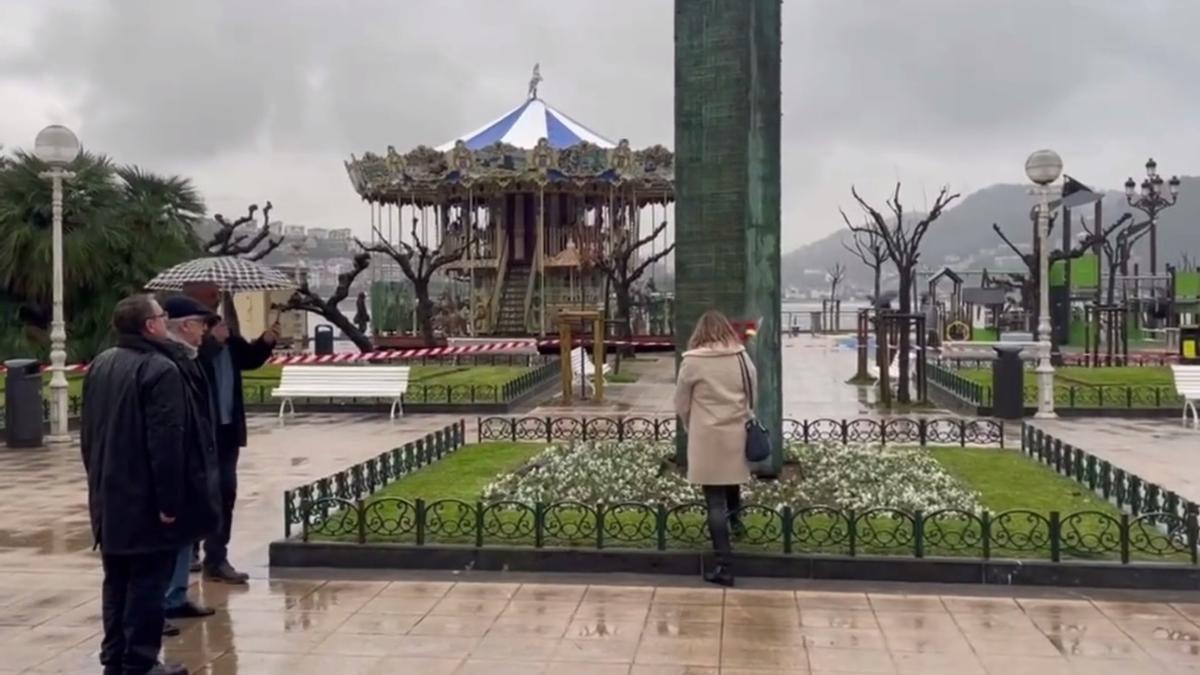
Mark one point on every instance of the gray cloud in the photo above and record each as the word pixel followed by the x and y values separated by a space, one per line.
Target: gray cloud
pixel 264 100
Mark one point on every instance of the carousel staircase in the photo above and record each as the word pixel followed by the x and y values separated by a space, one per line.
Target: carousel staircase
pixel 512 303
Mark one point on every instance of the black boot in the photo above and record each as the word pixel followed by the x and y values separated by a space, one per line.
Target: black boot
pixel 226 574
pixel 720 575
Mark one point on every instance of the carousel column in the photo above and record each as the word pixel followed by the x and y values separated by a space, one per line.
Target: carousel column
pixel 727 125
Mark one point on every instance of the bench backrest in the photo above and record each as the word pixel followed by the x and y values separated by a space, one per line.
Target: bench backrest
pixel 367 378
pixel 1187 380
pixel 579 355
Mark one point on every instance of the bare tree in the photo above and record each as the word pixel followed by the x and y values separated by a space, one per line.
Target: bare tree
pixel 617 265
pixel 308 300
pixel 869 248
pixel 1027 283
pixel 419 263
pixel 1118 249
pixel 252 245
pixel 835 275
pixel 903 243
pixel 248 243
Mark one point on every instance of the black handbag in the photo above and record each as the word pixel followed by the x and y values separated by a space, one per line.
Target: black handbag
pixel 758 441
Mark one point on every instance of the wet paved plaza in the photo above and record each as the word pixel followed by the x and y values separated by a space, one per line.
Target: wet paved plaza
pixel 435 626
pixel 326 621
pixel 815 369
pixel 1161 451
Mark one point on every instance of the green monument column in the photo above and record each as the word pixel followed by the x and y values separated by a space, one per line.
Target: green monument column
pixel 727 117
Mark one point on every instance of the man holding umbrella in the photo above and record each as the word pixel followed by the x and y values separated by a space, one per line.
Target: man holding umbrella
pixel 224 356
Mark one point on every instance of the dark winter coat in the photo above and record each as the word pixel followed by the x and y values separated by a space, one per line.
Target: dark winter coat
pixel 201 514
pixel 244 355
pixel 143 444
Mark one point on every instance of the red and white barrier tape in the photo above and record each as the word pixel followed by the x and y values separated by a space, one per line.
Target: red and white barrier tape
pixel 517 347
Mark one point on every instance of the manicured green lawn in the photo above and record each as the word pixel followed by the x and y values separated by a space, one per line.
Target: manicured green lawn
pixel 621 378
pixel 1006 479
pixel 463 474
pixel 1120 387
pixel 1116 375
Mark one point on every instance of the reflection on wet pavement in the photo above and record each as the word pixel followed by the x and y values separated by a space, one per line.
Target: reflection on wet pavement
pixel 49 624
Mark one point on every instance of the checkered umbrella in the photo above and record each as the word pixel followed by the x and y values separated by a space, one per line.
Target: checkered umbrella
pixel 230 274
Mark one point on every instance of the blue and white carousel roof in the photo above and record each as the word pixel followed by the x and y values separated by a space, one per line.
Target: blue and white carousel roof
pixel 526 124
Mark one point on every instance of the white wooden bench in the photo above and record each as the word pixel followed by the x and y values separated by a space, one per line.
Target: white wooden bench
pixel 1187 384
pixel 582 359
pixel 380 382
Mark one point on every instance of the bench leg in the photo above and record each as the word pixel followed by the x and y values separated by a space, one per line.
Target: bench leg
pixel 1189 406
pixel 282 407
pixel 396 411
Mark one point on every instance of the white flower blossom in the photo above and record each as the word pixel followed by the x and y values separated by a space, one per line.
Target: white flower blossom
pixel 852 476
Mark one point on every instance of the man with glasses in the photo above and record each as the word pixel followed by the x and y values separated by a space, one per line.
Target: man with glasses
pixel 133 441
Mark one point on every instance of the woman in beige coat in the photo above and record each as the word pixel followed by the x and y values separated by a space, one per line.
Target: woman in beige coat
pixel 712 402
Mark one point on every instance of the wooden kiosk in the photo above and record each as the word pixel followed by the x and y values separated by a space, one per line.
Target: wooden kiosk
pixel 566 320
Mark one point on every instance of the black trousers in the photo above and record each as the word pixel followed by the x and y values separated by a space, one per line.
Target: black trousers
pixel 216 547
pixel 132 604
pixel 722 501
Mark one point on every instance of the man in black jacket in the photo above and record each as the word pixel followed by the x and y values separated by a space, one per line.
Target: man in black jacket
pixel 224 356
pixel 187 324
pixel 133 441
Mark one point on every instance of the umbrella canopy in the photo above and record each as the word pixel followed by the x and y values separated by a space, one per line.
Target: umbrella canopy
pixel 230 274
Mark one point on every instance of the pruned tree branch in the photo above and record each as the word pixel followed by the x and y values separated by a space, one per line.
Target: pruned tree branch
pixel 228 241
pixel 418 262
pixel 308 300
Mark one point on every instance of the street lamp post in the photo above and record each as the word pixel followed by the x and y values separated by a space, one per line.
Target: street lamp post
pixel 1151 201
pixel 57 146
pixel 1043 168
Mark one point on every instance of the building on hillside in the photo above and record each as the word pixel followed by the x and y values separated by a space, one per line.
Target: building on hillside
pixel 318 233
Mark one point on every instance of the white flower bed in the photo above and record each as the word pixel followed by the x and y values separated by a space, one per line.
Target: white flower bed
pixel 845 476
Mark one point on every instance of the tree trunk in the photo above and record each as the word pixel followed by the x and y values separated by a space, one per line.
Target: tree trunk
pixel 878 280
pixel 1112 284
pixel 902 395
pixel 348 329
pixel 425 313
pixel 624 313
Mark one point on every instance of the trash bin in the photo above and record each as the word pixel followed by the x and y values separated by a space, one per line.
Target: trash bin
pixel 323 340
pixel 1189 344
pixel 23 419
pixel 815 323
pixel 1008 383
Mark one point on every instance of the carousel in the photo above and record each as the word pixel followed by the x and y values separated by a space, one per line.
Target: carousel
pixel 525 205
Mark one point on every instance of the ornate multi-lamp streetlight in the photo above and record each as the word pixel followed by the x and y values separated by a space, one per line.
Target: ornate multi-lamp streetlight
pixel 57 146
pixel 1043 168
pixel 1152 199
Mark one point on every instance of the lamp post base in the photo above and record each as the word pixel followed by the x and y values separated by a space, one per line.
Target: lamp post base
pixel 55 439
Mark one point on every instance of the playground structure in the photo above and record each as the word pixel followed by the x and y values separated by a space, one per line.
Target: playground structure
pixel 1148 312
pixel 969 313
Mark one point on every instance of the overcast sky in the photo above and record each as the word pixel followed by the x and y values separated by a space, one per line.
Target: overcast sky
pixel 258 100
